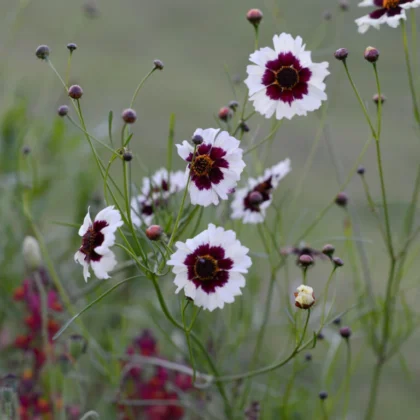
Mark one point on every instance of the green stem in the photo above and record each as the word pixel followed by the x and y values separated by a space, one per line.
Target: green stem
pixel 272 133
pixel 370 412
pixel 327 285
pixel 347 379
pixel 142 82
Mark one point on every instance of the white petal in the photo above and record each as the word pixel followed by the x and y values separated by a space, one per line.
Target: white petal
pixel 79 257
pixel 366 3
pixel 284 43
pixel 184 149
pixel 209 134
pixel 112 217
pixel 263 55
pixel 226 142
pixel 87 222
pixel 202 197
pixel 410 5
pixel 181 280
pixel 102 267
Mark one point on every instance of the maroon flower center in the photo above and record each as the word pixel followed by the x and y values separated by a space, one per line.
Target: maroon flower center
pixel 205 267
pixel 287 78
pixel 202 165
pixel 92 239
pixel 390 4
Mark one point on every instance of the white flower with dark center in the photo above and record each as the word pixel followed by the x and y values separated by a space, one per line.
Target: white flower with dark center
pixel 154 194
pixel 387 11
pixel 304 297
pixel 250 203
pixel 211 267
pixel 285 81
pixel 216 167
pixel 97 239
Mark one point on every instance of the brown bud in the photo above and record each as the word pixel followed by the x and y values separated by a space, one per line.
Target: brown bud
pixel 371 54
pixel 154 232
pixel 129 116
pixel 75 92
pixel 254 16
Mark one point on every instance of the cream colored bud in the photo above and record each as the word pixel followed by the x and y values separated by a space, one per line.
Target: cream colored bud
pixel 31 253
pixel 304 297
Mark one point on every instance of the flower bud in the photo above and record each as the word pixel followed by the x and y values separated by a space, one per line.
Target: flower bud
pixel 304 297
pixel 371 54
pixel 323 395
pixel 75 92
pixel 63 110
pixel 328 250
pixel 225 113
pixel 308 357
pixel 376 98
pixel 341 199
pixel 154 232
pixel 255 198
pixel 72 47
pixel 233 105
pixel 127 156
pixel 42 52
pixel 254 16
pixel 32 253
pixel 158 64
pixel 197 139
pixel 327 15
pixel 341 54
pixel 320 336
pixel 361 170
pixel 344 5
pixel 26 150
pixel 337 321
pixel 306 260
pixel 244 127
pixel 129 116
pixel 253 411
pixel 338 262
pixel 345 332
pixel 77 346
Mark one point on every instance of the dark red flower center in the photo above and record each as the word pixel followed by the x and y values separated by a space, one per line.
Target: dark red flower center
pixel 202 165
pixel 92 239
pixel 287 78
pixel 205 267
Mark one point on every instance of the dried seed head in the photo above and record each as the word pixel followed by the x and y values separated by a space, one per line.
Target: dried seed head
pixel 371 54
pixel 197 139
pixel 376 98
pixel 129 116
pixel 344 5
pixel 158 64
pixel 306 260
pixel 254 16
pixel 328 250
pixel 154 232
pixel 127 156
pixel 72 47
pixel 345 332
pixel 255 198
pixel 75 92
pixel 361 170
pixel 225 113
pixel 42 52
pixel 323 395
pixel 233 105
pixel 31 254
pixel 63 110
pixel 341 199
pixel 338 262
pixel 341 54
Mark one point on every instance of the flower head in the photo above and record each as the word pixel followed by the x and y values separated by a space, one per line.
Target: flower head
pixel 387 11
pixel 154 194
pixel 304 297
pixel 250 203
pixel 215 168
pixel 97 239
pixel 285 81
pixel 211 267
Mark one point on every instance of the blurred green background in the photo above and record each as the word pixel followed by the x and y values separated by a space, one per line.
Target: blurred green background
pixel 197 40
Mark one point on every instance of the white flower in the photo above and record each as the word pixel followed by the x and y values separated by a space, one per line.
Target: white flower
pixel 304 297
pixel 387 11
pixel 285 81
pixel 250 203
pixel 210 267
pixel 32 253
pixel 154 194
pixel 216 168
pixel 97 239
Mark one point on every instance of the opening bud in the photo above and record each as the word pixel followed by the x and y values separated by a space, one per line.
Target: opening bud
pixel 158 64
pixel 304 297
pixel 341 54
pixel 42 52
pixel 75 92
pixel 154 232
pixel 371 54
pixel 31 253
pixel 63 110
pixel 254 16
pixel 72 47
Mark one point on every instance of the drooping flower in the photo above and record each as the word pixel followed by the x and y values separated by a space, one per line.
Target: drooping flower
pixel 211 267
pixel 97 239
pixel 250 203
pixel 304 297
pixel 154 194
pixel 216 167
pixel 285 81
pixel 387 11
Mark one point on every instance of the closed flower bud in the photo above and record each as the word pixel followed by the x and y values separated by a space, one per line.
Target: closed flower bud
pixel 345 332
pixel 233 105
pixel 75 92
pixel 254 16
pixel 361 170
pixel 323 395
pixel 77 346
pixel 197 139
pixel 320 336
pixel 127 156
pixel 63 110
pixel 306 260
pixel 154 232
pixel 371 54
pixel 42 52
pixel 244 127
pixel 225 113
pixel 32 253
pixel 308 357
pixel 327 15
pixel 129 116
pixel 255 198
pixel 341 199
pixel 341 54
pixel 376 98
pixel 26 150
pixel 337 321
pixel 338 262
pixel 158 64
pixel 72 47
pixel 328 250
pixel 344 5
pixel 304 297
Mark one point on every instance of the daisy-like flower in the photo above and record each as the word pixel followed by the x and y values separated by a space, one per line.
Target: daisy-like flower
pixel 250 203
pixel 304 297
pixel 210 267
pixel 154 194
pixel 387 11
pixel 216 167
pixel 97 239
pixel 285 81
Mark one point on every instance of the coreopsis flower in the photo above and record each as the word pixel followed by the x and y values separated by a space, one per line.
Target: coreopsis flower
pixel 285 81
pixel 97 239
pixel 154 194
pixel 304 297
pixel 387 11
pixel 216 167
pixel 250 203
pixel 211 267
